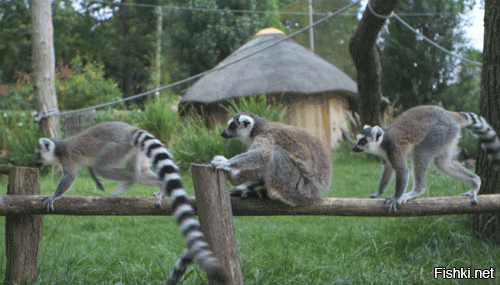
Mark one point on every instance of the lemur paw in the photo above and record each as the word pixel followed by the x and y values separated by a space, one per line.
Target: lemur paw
pixel 391 204
pixel 158 195
pixel 220 163
pixel 48 203
pixel 472 195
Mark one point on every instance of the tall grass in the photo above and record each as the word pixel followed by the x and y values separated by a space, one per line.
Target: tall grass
pixel 273 250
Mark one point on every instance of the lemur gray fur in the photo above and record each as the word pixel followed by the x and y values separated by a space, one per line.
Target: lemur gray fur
pixel 105 149
pixel 284 162
pixel 428 133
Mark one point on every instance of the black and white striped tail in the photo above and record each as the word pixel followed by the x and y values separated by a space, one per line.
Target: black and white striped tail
pixel 487 137
pixel 180 268
pixel 168 172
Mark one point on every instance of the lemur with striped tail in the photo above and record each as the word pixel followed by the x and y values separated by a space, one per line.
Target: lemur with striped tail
pixel 428 133
pixel 106 149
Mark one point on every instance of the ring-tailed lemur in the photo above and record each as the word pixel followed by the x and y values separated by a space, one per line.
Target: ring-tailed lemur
pixel 282 161
pixel 430 133
pixel 107 147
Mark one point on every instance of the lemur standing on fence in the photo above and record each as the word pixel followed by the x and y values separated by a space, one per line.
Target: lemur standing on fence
pixel 105 149
pixel 429 133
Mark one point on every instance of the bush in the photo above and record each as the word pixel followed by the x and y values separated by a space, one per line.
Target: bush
pixel 160 120
pixel 198 144
pixel 19 138
pixel 259 106
pixel 86 87
pixel 19 98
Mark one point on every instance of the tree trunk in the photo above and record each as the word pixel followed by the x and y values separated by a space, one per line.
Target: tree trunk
pixel 488 225
pixel 367 61
pixel 43 57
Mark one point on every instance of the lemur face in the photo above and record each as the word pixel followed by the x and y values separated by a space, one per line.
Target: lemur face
pixel 239 127
pixel 369 140
pixel 46 152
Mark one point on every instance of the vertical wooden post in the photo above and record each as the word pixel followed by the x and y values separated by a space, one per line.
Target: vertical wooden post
pixel 23 233
pixel 216 217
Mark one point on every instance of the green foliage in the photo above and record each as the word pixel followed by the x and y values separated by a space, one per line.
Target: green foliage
pixel 464 94
pixel 201 40
pixel 86 87
pixel 19 138
pixel 19 98
pixel 199 144
pixel 15 32
pixel 259 106
pixel 160 120
pixel 415 73
pixel 331 38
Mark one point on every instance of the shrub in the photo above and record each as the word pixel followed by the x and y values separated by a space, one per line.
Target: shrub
pixel 86 86
pixel 259 106
pixel 198 144
pixel 19 140
pixel 160 120
pixel 19 98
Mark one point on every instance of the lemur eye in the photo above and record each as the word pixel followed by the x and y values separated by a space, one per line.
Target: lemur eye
pixel 362 141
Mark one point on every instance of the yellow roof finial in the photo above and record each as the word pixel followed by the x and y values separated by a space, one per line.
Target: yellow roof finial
pixel 269 31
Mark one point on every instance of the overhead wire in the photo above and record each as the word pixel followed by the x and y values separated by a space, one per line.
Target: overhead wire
pixel 52 113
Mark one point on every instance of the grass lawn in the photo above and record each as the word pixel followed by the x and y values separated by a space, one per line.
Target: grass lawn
pixel 273 250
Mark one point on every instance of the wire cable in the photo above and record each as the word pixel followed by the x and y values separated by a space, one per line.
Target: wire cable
pixel 42 116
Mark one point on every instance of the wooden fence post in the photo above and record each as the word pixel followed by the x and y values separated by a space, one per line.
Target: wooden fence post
pixel 216 218
pixel 23 233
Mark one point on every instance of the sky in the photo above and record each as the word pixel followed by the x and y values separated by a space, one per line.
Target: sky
pixel 476 32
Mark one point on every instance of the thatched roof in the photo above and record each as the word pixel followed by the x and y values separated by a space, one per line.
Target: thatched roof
pixel 286 67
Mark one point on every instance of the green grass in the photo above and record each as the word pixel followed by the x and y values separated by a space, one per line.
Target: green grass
pixel 273 250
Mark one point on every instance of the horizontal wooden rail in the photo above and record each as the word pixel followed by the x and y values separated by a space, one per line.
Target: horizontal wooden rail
pixel 145 206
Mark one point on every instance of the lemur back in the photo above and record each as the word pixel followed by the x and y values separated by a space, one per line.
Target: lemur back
pixel 428 133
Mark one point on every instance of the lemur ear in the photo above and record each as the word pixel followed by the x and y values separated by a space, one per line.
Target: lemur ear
pixel 46 144
pixel 378 133
pixel 246 120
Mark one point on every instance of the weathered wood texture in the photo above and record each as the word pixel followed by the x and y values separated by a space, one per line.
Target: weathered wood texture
pixel 5 170
pixel 144 206
pixel 44 65
pixel 23 233
pixel 488 224
pixel 365 56
pixel 216 218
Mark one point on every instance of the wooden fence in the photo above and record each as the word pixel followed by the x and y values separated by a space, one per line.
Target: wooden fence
pixel 23 209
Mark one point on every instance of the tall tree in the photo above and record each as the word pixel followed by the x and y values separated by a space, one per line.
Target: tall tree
pixel 44 73
pixel 416 73
pixel 201 39
pixel 15 43
pixel 366 58
pixel 488 225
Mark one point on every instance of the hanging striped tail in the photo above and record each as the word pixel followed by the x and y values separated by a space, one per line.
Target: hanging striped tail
pixel 168 172
pixel 487 137
pixel 180 268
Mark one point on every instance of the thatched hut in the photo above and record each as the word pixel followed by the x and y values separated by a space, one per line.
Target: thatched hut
pixel 318 94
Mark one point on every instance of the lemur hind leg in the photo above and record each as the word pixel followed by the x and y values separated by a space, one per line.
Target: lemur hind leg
pixel 446 162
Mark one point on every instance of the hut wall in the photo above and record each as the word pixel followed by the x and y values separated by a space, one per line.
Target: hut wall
pixel 324 119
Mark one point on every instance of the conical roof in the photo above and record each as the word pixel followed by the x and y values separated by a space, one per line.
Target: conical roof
pixel 286 67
